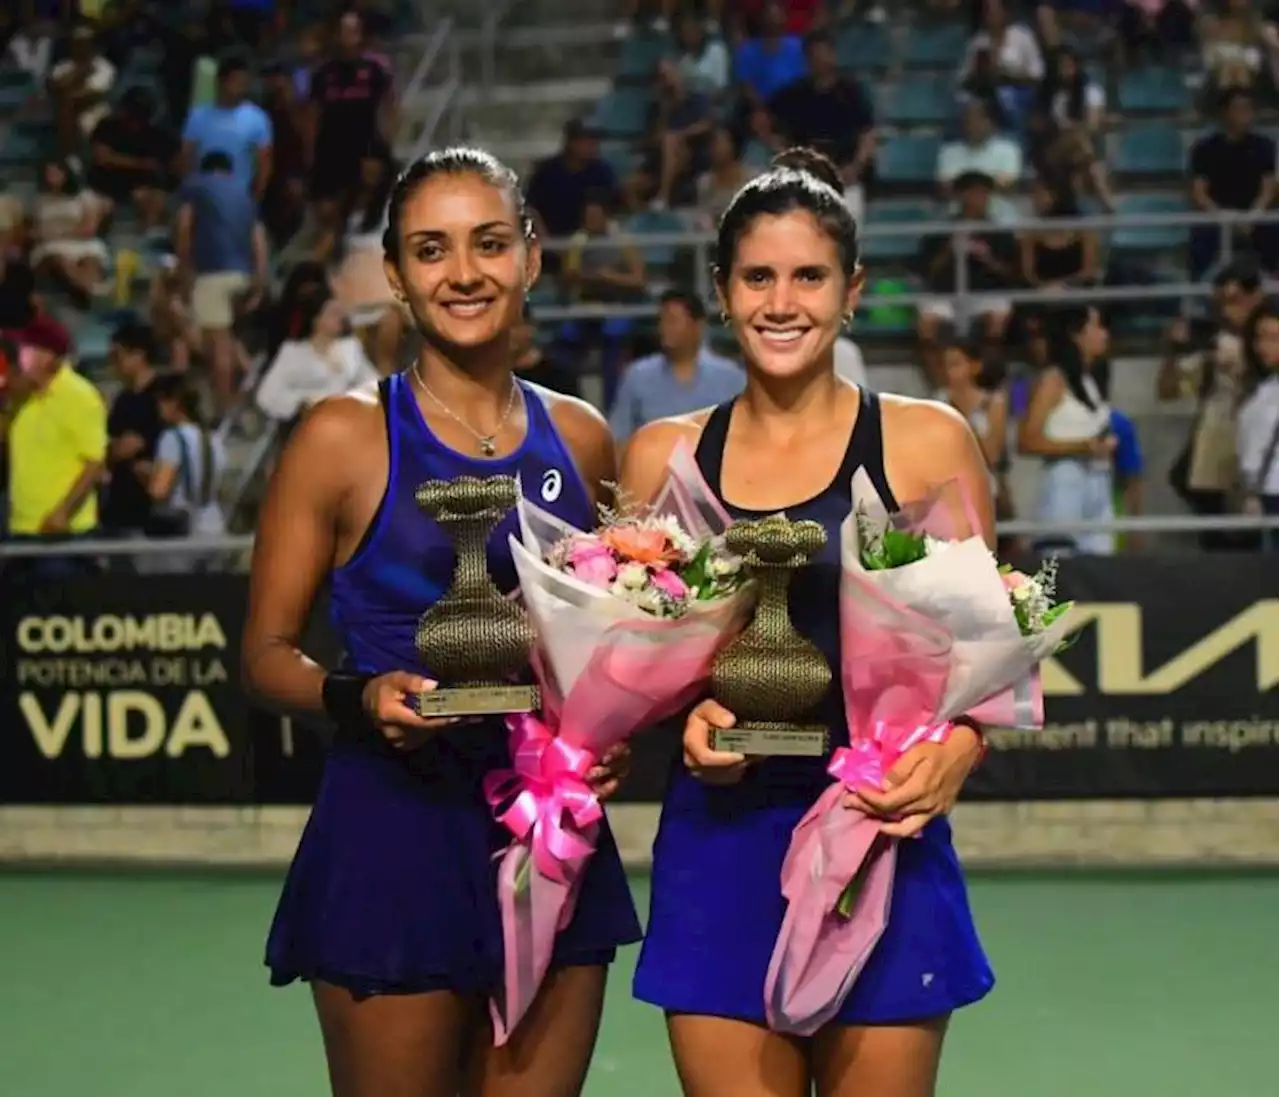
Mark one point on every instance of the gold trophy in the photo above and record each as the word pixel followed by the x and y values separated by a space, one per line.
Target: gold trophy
pixel 770 677
pixel 474 639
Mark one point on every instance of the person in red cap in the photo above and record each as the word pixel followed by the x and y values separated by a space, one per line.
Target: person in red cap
pixel 54 423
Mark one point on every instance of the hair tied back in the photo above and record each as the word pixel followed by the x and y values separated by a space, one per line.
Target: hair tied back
pixel 810 161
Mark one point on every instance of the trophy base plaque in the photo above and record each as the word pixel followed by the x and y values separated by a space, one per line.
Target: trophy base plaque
pixel 476 701
pixel 772 739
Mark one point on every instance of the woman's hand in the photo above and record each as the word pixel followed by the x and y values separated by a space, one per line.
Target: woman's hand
pixel 387 703
pixel 714 767
pixel 611 771
pixel 925 783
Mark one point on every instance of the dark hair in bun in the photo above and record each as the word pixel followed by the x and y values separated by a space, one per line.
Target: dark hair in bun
pixel 799 179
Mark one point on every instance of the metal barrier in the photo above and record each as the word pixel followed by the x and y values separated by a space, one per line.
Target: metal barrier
pixel 494 12
pixel 440 97
pixel 1171 523
pixel 703 243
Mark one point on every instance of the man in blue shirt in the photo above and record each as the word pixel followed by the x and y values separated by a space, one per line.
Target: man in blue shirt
pixel 234 126
pixel 222 254
pixel 682 378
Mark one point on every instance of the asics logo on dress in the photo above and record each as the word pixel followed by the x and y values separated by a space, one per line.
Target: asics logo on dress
pixel 552 483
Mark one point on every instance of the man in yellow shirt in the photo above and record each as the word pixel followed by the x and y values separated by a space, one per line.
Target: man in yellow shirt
pixel 54 422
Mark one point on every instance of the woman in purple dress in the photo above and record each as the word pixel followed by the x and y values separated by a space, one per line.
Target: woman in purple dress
pixel 390 910
pixel 788 276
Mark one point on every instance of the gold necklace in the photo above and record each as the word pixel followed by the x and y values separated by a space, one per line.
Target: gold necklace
pixel 487 442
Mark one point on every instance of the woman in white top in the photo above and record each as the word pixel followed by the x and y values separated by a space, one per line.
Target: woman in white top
pixel 1068 424
pixel 328 362
pixel 66 221
pixel 1067 122
pixel 1258 423
pixel 186 476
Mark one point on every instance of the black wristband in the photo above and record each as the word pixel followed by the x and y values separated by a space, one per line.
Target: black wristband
pixel 343 698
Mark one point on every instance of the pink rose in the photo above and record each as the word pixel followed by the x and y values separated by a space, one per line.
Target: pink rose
pixel 1013 579
pixel 670 584
pixel 593 563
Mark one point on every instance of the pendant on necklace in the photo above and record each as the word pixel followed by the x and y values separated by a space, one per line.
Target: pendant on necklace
pixel 487 447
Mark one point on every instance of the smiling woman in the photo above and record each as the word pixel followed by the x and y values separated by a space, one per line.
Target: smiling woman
pixel 390 908
pixel 788 277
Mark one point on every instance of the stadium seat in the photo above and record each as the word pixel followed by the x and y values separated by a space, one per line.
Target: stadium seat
pixel 908 160
pixel 918 101
pixel 641 54
pixel 619 155
pixel 624 112
pixel 657 257
pixel 1150 148
pixel 20 149
pixel 939 46
pixel 1149 238
pixel 1153 90
pixel 863 46
pixel 886 248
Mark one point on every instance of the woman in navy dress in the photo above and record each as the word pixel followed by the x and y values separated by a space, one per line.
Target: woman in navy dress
pixel 788 278
pixel 390 908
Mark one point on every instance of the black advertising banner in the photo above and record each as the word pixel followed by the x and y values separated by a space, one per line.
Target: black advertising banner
pixel 125 690
pixel 1170 690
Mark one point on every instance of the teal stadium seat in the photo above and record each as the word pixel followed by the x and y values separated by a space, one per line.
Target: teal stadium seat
pixel 940 46
pixel 1150 238
pixel 623 113
pixel 863 47
pixel 641 54
pixel 891 248
pixel 918 101
pixel 16 87
pixel 658 258
pixel 908 160
pixel 621 156
pixel 1153 90
pixel 19 149
pixel 1150 149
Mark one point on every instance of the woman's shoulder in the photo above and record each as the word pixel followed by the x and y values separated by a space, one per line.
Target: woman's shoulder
pixel 929 421
pixel 648 451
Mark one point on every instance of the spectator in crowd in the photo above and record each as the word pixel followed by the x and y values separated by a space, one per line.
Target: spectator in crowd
pixel 65 221
pixel 981 84
pixel 1237 52
pixel 233 126
pixel 534 365
pixel 133 429
pixel 1207 362
pixel 55 426
pixel 724 176
pixel 767 63
pixel 133 158
pixel 559 186
pixel 683 377
pixel 602 274
pixel 30 47
pixel 222 253
pixel 985 408
pixel 327 362
pixel 990 263
pixel 1233 169
pixel 1068 425
pixel 703 59
pixel 1127 467
pixel 982 150
pixel 79 85
pixel 1064 257
pixel 18 301
pixel 1067 120
pixel 763 142
pixel 1151 28
pixel 173 328
pixel 832 113
pixel 187 475
pixel 1258 425
pixel 1015 53
pixel 352 107
pixel 681 126
pixel 284 200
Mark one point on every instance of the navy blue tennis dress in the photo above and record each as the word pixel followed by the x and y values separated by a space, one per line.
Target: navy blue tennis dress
pixel 717 904
pixel 393 889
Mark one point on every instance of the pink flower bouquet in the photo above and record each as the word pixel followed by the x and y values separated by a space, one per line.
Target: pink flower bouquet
pixel 931 629
pixel 629 619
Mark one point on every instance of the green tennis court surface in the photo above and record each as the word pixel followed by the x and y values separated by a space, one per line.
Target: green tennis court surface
pixel 1110 986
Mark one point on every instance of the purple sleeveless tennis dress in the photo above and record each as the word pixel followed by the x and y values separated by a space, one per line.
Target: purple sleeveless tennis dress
pixel 716 903
pixel 393 888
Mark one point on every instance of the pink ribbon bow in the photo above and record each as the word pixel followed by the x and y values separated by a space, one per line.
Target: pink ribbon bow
pixel 865 762
pixel 548 782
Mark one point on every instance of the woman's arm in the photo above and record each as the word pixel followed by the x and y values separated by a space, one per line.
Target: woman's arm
pixel 586 434
pixel 164 471
pixel 294 550
pixel 1048 390
pixel 644 461
pixel 993 439
pixel 1027 258
pixel 1088 257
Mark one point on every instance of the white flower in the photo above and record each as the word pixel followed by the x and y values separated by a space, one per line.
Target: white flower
pixel 724 566
pixel 632 576
pixel 685 545
pixel 934 545
pixel 652 600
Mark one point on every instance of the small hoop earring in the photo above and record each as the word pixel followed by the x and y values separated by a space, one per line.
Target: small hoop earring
pixel 847 318
pixel 724 318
